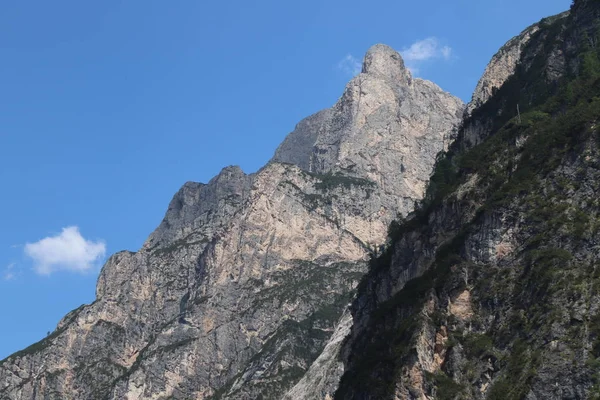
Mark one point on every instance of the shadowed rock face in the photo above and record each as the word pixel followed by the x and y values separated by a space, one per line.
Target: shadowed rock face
pixel 243 284
pixel 504 63
pixel 500 68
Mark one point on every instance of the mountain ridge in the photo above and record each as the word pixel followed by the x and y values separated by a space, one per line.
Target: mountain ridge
pixel 242 290
pixel 241 286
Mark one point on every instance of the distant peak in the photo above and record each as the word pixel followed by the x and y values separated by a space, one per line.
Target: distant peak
pixel 384 61
pixel 229 173
pixel 232 169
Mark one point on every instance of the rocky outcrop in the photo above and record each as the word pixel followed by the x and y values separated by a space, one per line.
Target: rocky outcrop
pixel 504 64
pixel 511 59
pixel 322 378
pixel 387 127
pixel 500 68
pixel 241 289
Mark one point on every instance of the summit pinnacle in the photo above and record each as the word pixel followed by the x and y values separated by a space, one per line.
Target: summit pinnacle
pixel 385 62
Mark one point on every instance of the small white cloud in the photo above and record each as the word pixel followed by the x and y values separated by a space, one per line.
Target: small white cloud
pixel 350 65
pixel 447 52
pixel 413 70
pixel 423 51
pixel 9 272
pixel 66 251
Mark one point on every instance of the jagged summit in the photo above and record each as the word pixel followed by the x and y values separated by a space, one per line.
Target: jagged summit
pixel 384 61
pixel 384 121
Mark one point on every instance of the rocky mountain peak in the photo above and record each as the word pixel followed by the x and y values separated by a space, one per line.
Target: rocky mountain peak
pixel 241 286
pixel 383 61
pixel 386 128
pixel 199 207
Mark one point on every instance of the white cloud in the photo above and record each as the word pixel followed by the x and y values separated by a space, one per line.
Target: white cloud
pixel 66 251
pixel 423 51
pixel 447 52
pixel 350 65
pixel 9 272
pixel 413 70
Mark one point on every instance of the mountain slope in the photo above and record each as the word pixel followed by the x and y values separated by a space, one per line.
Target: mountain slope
pixel 241 286
pixel 490 289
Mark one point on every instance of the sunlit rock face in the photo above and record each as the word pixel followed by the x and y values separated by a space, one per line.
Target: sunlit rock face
pixel 244 284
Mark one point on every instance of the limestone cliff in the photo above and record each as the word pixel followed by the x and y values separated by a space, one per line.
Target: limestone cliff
pixel 387 127
pixel 504 64
pixel 241 287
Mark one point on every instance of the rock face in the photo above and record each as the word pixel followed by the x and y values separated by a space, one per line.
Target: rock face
pixel 500 68
pixel 323 376
pixel 382 129
pixel 490 289
pixel 504 64
pixel 245 282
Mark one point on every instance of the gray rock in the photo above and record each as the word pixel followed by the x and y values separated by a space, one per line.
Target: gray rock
pixel 242 286
pixel 500 68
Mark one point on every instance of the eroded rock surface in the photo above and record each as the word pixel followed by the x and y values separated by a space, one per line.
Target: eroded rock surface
pixel 244 283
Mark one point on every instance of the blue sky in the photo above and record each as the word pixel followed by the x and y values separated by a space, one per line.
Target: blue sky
pixel 108 107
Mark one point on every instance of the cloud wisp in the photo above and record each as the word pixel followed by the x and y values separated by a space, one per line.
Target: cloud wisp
pixel 415 56
pixel 9 272
pixel 67 251
pixel 350 65
pixel 425 50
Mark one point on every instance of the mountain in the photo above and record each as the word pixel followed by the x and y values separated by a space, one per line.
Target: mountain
pixel 244 286
pixel 490 289
pixel 399 245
